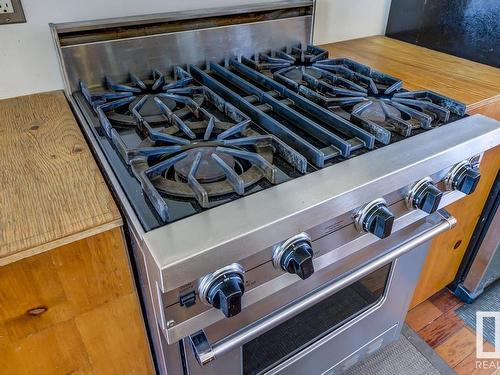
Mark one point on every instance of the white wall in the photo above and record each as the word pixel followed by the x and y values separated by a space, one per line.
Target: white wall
pixel 28 60
pixel 338 20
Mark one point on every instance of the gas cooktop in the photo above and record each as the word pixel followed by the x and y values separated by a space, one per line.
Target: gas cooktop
pixel 189 111
pixel 198 137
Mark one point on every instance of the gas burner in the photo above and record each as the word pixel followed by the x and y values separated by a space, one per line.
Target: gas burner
pixel 221 159
pixel 202 153
pixel 349 72
pixel 210 160
pixel 370 99
pixel 297 73
pixel 120 99
pixel 384 112
pixel 296 56
pixel 375 110
pixel 400 112
pixel 330 81
pixel 205 169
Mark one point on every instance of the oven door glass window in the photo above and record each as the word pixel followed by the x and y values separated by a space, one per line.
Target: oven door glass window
pixel 289 338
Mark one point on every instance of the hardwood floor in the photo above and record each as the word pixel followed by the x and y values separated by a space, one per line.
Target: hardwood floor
pixel 437 324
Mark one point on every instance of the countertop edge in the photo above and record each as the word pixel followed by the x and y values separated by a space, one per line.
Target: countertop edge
pixel 48 246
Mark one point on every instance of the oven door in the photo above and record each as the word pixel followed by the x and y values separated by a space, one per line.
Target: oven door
pixel 332 327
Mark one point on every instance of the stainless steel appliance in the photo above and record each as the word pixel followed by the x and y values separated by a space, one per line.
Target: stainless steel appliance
pixel 279 200
pixel 480 266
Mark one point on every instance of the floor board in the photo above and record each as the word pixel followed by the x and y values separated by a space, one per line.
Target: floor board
pixel 422 315
pixel 445 301
pixel 458 346
pixel 436 323
pixel 441 329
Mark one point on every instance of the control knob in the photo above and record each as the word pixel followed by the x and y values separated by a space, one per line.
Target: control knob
pixel 463 177
pixel 295 256
pixel 375 218
pixel 223 289
pixel 425 196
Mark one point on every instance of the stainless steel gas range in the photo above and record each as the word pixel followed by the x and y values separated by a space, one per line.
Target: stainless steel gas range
pixel 279 201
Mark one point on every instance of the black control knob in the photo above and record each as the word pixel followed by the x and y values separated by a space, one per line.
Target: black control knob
pixel 295 256
pixel 298 260
pixel 226 294
pixel 467 180
pixel 425 196
pixel 375 218
pixel 428 199
pixel 223 289
pixel 380 222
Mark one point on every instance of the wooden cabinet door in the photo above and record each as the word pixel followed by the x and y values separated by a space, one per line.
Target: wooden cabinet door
pixel 73 309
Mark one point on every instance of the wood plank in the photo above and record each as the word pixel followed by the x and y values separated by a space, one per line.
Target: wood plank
pixel 445 301
pixel 440 329
pixel 469 82
pixel 423 314
pixel 457 347
pixel 51 187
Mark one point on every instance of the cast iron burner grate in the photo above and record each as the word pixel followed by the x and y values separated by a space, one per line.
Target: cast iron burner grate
pixel 187 142
pixel 192 145
pixel 370 99
pixel 120 99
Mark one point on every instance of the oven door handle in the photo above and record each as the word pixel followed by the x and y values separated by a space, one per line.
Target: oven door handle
pixel 206 352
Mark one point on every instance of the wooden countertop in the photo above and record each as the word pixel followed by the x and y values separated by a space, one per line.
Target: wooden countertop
pixel 52 191
pixel 472 83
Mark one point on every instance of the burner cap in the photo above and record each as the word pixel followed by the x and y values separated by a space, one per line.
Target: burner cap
pixel 208 170
pixel 296 74
pixel 375 112
pixel 150 108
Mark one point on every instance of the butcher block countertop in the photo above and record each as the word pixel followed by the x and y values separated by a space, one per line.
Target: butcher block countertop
pixel 474 84
pixel 52 192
